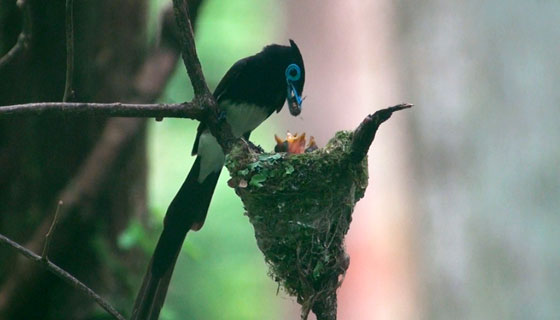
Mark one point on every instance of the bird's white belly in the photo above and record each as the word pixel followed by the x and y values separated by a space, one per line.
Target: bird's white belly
pixel 242 118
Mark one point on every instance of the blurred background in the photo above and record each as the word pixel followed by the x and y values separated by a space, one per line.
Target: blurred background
pixel 462 215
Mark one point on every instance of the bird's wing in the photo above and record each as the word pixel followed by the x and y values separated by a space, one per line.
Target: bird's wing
pixel 230 78
pixel 221 93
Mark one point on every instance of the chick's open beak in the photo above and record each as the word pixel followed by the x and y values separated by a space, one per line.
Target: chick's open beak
pixel 294 144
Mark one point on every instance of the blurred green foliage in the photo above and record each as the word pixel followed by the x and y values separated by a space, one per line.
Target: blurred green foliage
pixel 220 274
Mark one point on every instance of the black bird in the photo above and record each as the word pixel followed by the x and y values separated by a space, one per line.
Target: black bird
pixel 252 89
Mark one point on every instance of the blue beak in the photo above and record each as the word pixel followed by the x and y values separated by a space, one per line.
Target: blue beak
pixel 294 100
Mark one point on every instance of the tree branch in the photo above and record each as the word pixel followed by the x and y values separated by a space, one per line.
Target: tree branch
pixel 365 132
pixel 220 129
pixel 61 273
pixel 188 48
pixel 190 110
pixel 23 38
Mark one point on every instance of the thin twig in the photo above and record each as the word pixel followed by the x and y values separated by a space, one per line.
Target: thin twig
pixel 68 88
pixel 45 254
pixel 61 273
pixel 24 37
pixel 190 110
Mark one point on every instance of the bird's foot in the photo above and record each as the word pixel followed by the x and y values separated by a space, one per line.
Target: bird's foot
pixel 254 147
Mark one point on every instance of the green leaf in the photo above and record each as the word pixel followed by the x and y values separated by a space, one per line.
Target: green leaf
pixel 253 166
pixel 317 270
pixel 270 157
pixel 256 180
pixel 289 169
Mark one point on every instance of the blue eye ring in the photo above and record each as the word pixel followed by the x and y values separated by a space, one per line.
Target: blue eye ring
pixel 289 71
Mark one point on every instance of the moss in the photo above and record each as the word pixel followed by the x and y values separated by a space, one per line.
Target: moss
pixel 301 207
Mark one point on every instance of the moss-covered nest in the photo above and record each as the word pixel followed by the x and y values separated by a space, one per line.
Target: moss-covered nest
pixel 301 207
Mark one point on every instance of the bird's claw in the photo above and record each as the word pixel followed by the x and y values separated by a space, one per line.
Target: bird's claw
pixel 255 148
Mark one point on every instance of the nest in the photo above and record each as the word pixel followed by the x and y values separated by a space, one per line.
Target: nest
pixel 301 208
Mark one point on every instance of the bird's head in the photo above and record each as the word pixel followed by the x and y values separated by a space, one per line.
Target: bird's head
pixel 266 79
pixel 295 79
pixel 284 64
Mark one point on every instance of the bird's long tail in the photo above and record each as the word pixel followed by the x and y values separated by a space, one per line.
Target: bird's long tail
pixel 186 212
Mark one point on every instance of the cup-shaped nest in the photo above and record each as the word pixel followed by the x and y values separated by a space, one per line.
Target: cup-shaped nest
pixel 301 207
